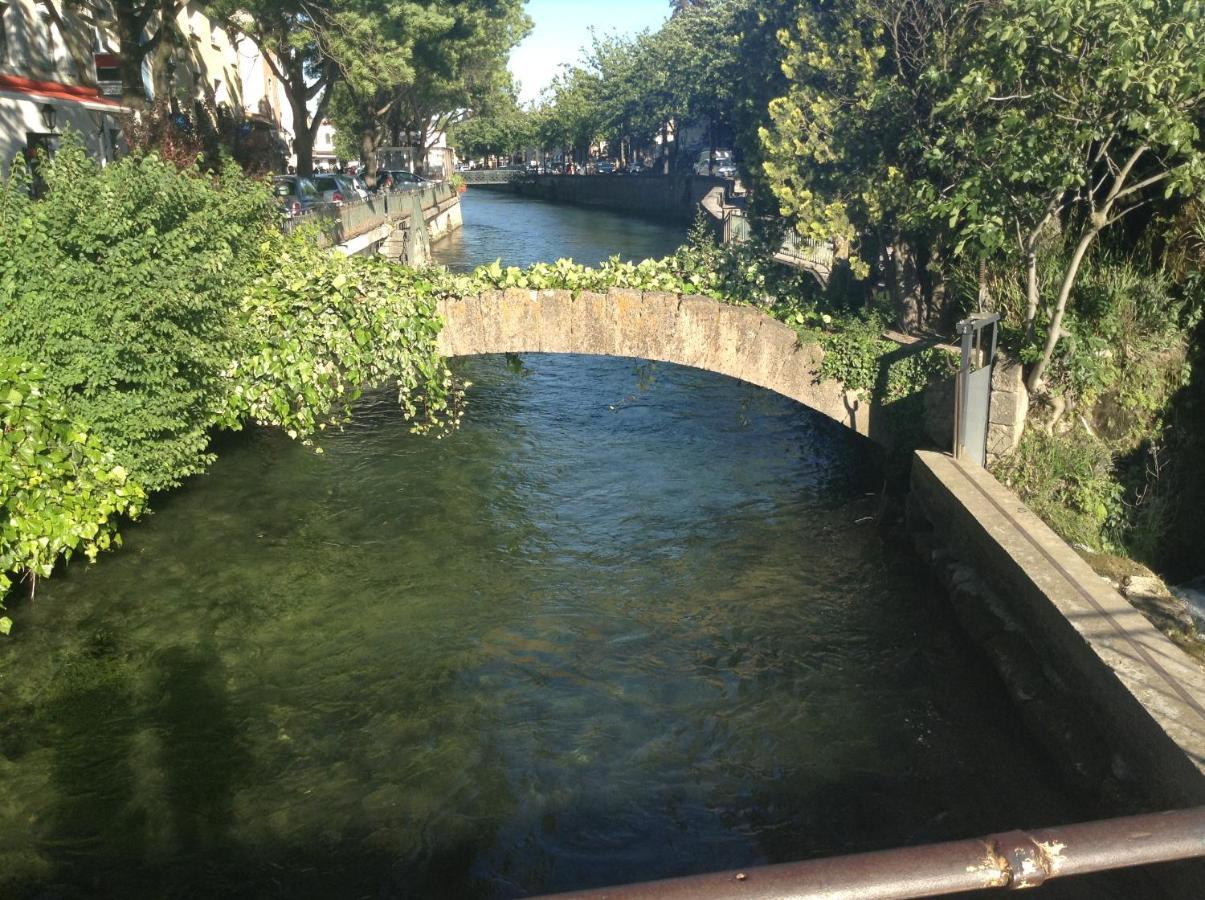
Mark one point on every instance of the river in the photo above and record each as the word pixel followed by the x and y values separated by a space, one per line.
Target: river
pixel 520 232
pixel 631 621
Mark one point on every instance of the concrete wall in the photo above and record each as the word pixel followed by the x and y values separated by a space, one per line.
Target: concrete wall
pixel 674 197
pixel 1105 691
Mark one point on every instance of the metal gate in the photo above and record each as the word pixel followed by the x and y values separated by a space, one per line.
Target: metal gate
pixel 973 388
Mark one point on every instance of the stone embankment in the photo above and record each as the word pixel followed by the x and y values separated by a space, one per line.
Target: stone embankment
pixel 1110 695
pixel 674 197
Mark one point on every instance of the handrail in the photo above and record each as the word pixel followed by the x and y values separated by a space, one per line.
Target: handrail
pixel 1011 860
pixel 340 222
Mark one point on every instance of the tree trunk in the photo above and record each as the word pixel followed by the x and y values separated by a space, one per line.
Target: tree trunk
pixel 1033 383
pixel 904 285
pixel 303 142
pixel 368 155
pixel 1032 290
pixel 129 34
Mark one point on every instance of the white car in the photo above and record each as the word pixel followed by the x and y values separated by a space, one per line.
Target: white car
pixel 725 166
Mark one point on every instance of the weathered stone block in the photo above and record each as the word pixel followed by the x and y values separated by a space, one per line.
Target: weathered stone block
pixel 555 326
pixel 699 325
pixel 520 321
pixel 593 325
pixel 489 314
pixel 1007 374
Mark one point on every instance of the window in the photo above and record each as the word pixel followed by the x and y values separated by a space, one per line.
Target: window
pixel 3 33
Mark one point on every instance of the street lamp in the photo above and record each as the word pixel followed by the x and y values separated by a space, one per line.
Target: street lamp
pixel 49 114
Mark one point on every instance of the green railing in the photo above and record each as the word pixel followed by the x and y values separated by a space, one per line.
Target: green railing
pixel 338 223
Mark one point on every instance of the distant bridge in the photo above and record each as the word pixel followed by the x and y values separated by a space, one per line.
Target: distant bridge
pixel 492 176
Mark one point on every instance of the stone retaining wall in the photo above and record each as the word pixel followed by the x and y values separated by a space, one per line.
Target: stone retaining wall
pixel 673 197
pixel 1113 699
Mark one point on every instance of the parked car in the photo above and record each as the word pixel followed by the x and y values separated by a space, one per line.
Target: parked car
pixel 295 194
pixel 402 179
pixel 604 167
pixel 337 188
pixel 725 166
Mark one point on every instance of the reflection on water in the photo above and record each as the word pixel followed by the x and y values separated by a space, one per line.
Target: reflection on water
pixel 623 625
pixel 520 232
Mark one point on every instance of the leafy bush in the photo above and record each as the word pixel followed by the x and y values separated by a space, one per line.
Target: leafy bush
pixel 319 326
pixel 124 284
pixel 61 492
pixel 157 305
pixel 1069 481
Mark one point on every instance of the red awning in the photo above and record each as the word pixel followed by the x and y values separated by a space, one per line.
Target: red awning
pixel 57 91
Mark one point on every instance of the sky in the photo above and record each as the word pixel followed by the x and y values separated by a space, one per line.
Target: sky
pixel 562 29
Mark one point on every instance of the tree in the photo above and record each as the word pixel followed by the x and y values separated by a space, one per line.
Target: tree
pixel 311 45
pixel 499 127
pixel 848 152
pixel 1095 110
pixel 456 52
pixel 458 67
pixel 144 28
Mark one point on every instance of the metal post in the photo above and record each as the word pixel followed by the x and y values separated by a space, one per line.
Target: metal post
pixel 973 387
pixel 1011 860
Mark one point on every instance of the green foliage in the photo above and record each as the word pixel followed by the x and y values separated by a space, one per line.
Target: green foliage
pixel 61 491
pixel 123 285
pixel 857 354
pixel 442 60
pixel 1068 480
pixel 319 326
pixel 154 306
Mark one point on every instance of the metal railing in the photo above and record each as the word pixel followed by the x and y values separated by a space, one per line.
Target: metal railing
pixel 341 222
pixel 492 176
pixel 795 250
pixel 1011 860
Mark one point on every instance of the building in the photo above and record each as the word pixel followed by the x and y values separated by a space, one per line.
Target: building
pixel 325 155
pixel 51 69
pixel 60 71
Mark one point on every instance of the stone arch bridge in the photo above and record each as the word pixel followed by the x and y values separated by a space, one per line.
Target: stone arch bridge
pixel 738 341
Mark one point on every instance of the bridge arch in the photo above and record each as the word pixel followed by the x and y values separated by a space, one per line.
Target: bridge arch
pixel 738 341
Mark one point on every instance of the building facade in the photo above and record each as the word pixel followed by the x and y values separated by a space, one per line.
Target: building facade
pixel 61 71
pixel 49 82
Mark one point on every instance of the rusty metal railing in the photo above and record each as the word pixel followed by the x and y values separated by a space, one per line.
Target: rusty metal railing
pixel 1011 860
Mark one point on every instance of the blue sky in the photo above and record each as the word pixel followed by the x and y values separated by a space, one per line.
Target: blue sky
pixel 562 29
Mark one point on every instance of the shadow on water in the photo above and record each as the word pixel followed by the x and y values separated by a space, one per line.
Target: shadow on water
pixel 201 752
pixel 92 721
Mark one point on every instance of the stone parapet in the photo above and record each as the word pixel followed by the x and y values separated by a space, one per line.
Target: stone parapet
pixel 1113 698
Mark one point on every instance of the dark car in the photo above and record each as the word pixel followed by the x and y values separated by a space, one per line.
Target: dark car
pixel 604 167
pixel 404 177
pixel 295 194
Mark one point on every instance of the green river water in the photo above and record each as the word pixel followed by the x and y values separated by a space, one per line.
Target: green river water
pixel 631 621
